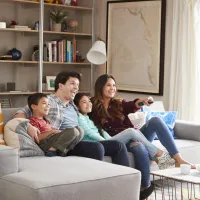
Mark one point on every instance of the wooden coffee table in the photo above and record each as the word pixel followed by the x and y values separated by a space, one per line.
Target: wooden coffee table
pixel 172 180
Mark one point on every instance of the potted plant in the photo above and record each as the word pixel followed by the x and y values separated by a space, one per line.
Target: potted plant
pixel 57 16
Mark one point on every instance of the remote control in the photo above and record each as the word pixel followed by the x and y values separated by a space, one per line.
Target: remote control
pixel 150 101
pixel 142 103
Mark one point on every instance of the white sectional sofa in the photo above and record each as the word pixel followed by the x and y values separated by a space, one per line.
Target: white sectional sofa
pixel 76 178
pixel 58 178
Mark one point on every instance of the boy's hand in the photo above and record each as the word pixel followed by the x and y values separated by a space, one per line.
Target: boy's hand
pixel 33 132
pixel 56 131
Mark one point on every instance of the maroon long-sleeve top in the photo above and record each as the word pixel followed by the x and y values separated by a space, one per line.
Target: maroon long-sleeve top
pixel 113 127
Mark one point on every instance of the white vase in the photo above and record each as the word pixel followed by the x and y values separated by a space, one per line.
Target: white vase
pixel 56 27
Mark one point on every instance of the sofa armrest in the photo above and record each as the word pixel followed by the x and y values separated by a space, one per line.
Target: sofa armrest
pixel 9 160
pixel 187 130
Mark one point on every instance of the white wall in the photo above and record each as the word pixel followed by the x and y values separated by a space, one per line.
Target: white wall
pixel 101 9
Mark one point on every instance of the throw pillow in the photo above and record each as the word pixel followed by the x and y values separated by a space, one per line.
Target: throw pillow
pixel 15 135
pixel 169 117
pixel 2 142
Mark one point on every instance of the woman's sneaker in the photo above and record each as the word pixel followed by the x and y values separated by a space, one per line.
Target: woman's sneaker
pixel 165 161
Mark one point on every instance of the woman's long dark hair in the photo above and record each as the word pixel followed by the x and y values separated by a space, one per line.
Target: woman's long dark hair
pixel 98 106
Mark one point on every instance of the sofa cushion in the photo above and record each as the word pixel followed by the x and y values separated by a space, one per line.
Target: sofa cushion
pixel 15 134
pixel 70 178
pixel 188 148
pixel 8 160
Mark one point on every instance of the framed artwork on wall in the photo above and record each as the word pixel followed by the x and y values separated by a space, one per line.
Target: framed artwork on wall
pixel 135 45
pixel 50 82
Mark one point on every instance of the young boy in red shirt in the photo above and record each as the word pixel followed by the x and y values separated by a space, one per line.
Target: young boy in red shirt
pixel 52 141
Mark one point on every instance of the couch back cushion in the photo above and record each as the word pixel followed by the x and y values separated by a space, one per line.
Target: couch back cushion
pixel 8 113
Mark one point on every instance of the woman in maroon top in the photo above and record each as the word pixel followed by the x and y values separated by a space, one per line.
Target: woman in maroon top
pixel 111 114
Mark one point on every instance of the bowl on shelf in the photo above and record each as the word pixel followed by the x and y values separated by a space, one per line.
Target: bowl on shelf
pixel 198 167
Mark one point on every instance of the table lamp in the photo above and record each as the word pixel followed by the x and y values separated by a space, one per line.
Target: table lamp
pixel 97 54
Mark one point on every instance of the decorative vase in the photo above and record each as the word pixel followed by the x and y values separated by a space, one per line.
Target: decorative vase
pixel 56 27
pixel 73 24
pixel 15 53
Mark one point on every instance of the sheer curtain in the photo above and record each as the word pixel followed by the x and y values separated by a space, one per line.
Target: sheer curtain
pixel 184 92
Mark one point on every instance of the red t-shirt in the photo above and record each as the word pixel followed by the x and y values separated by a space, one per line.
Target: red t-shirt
pixel 41 124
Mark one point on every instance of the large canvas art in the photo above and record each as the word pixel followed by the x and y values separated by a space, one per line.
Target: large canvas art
pixel 135 45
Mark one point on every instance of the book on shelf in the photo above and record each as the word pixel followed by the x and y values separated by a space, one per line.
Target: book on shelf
pixel 49 51
pixel 74 49
pixel 5 103
pixel 60 50
pixel 54 51
pixel 18 27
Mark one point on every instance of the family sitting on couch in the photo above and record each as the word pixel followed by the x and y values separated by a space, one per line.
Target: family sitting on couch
pixel 62 128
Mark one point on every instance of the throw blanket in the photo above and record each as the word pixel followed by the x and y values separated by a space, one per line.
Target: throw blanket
pixel 15 135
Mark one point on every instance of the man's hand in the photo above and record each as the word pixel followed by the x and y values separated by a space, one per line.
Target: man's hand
pixel 33 132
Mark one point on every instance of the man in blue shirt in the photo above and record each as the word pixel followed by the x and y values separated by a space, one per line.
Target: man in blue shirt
pixel 64 114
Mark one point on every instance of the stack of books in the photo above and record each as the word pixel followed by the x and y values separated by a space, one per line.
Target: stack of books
pixel 60 51
pixel 19 27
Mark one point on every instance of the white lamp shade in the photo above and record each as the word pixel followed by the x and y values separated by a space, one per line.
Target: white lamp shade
pixel 97 54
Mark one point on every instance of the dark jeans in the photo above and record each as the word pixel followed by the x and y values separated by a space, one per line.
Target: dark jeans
pixel 97 150
pixel 88 149
pixel 117 151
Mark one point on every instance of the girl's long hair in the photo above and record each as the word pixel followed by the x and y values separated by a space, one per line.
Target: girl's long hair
pixel 98 105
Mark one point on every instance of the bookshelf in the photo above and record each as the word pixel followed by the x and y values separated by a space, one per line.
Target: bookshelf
pixel 49 63
pixel 78 35
pixel 29 93
pixel 52 5
pixel 29 75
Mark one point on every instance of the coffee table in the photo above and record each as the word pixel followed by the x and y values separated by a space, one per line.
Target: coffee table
pixel 172 180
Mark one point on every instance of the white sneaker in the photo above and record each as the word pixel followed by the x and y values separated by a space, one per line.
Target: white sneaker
pixel 165 161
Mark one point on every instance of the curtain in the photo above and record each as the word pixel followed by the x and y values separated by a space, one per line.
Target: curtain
pixel 184 91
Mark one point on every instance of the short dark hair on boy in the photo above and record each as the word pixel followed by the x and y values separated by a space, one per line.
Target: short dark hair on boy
pixel 34 99
pixel 63 77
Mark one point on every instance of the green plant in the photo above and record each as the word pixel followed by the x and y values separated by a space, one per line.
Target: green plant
pixel 57 15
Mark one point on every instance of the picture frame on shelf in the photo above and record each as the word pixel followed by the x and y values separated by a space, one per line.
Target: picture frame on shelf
pixel 50 82
pixel 135 40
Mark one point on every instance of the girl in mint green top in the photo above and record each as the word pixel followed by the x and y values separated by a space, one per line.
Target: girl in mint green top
pixel 91 133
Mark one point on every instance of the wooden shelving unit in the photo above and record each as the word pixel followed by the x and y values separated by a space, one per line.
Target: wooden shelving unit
pixel 82 35
pixel 18 61
pixel 51 4
pixel 36 62
pixel 32 92
pixel 26 74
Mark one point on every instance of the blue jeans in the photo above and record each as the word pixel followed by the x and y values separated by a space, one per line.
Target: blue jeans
pixel 154 126
pixel 130 134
